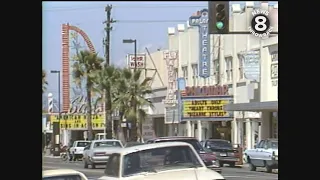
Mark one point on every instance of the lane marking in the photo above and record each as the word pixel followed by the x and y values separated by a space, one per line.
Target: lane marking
pixel 250 177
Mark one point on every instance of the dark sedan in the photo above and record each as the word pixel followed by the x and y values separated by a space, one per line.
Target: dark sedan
pixel 224 151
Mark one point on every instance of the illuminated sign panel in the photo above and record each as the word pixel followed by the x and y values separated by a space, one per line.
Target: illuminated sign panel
pixel 78 122
pixel 205 108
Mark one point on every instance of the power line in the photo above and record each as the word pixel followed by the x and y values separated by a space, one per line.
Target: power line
pixel 150 21
pixel 124 6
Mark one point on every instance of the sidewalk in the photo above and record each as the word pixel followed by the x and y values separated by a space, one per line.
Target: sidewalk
pixel 51 156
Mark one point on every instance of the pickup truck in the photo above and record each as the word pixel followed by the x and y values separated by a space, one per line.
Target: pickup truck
pixel 98 151
pixel 77 148
pixel 265 154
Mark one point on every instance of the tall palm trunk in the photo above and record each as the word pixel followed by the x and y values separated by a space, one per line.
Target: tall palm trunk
pixel 138 130
pixel 89 106
pixel 134 124
pixel 109 113
pixel 121 135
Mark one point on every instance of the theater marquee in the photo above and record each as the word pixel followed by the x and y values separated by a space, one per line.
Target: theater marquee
pixel 206 103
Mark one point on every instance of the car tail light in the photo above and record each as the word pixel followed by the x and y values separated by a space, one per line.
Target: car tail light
pixel 99 154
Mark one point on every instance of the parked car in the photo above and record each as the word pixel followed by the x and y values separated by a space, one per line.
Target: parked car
pixel 206 155
pixel 169 160
pixel 133 143
pixel 63 174
pixel 97 152
pixel 223 150
pixel 76 150
pixel 265 154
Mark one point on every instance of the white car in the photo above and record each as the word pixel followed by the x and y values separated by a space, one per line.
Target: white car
pixel 265 154
pixel 77 148
pixel 63 174
pixel 97 152
pixel 158 161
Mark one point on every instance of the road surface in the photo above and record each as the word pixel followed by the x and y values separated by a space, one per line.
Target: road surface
pixel 229 173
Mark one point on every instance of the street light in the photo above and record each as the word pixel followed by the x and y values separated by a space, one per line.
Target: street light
pixel 134 41
pixel 56 142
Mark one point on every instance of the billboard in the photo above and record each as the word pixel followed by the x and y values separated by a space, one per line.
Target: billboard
pixel 200 19
pixel 141 61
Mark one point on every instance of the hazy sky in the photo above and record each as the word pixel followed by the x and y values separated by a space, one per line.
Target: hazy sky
pixel 89 17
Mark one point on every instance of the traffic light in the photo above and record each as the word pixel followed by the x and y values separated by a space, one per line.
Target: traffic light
pixel 219 17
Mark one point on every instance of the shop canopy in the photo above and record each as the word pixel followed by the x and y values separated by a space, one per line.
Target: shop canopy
pixel 253 106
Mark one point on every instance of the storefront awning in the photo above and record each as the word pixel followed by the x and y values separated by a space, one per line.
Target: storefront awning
pixel 253 106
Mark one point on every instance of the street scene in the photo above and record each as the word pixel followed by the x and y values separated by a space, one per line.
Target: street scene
pixel 158 90
pixel 229 173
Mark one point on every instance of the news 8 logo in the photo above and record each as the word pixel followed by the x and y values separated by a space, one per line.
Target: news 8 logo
pixel 260 23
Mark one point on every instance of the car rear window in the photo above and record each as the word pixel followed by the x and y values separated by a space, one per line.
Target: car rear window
pixel 223 144
pixel 82 144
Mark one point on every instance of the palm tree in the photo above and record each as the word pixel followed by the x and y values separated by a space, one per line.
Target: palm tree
pixel 104 84
pixel 44 81
pixel 84 68
pixel 131 99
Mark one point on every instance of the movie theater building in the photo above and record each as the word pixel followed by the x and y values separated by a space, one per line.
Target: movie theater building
pixel 228 69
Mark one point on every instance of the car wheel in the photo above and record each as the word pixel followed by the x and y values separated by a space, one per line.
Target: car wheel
pixel 268 168
pixel 85 164
pixel 219 163
pixel 232 164
pixel 252 167
pixel 93 166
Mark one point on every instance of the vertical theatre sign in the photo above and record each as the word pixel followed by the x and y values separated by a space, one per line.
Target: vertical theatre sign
pixel 206 103
pixel 170 57
pixel 201 20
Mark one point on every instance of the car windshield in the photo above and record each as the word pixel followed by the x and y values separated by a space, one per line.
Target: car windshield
pixel 219 144
pixel 195 143
pixel 274 144
pixel 159 159
pixel 65 177
pixel 107 144
pixel 82 144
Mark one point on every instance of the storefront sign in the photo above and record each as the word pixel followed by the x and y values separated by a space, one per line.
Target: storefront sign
pixel 274 74
pixel 206 108
pixel 74 122
pixel 207 91
pixel 251 65
pixel 141 61
pixel 79 106
pixel 201 20
pixel 170 57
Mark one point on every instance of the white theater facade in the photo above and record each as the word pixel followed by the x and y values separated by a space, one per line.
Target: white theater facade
pixel 255 95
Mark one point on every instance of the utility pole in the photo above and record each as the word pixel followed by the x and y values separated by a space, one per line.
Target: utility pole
pixel 108 121
pixel 108 29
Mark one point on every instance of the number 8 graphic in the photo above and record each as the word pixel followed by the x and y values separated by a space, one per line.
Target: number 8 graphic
pixel 261 21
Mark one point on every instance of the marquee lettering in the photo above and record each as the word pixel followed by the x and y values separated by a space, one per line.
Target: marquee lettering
pixel 207 91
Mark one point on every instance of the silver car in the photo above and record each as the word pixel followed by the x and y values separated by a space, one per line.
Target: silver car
pixel 98 152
